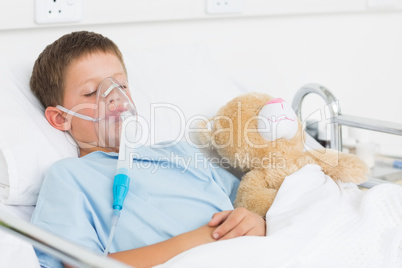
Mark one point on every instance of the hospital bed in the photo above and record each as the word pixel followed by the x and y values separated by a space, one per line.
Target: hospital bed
pixel 183 70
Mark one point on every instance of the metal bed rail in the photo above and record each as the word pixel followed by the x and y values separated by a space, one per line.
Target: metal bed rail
pixel 338 119
pixel 51 244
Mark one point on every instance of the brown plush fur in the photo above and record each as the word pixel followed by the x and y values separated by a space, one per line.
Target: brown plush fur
pixel 265 163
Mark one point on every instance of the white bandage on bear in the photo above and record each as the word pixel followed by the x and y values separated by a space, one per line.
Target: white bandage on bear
pixel 277 120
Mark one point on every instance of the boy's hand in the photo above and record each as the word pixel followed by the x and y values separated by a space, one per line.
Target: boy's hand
pixel 237 222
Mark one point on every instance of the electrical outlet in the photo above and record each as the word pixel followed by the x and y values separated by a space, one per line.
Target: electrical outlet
pixel 58 11
pixel 224 6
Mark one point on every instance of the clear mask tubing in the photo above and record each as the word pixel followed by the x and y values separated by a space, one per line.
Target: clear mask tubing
pixel 117 127
pixel 121 180
pixel 70 112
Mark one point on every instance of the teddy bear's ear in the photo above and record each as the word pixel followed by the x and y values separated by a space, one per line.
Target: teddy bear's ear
pixel 205 132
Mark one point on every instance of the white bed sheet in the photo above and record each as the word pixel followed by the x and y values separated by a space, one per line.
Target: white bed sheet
pixel 14 252
pixel 315 222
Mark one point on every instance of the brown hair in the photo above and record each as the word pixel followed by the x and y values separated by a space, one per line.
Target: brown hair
pixel 47 80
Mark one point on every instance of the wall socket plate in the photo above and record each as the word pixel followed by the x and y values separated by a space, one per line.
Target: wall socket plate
pixel 224 6
pixel 381 3
pixel 58 11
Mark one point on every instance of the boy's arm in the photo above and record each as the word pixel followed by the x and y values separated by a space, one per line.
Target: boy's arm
pixel 161 252
pixel 234 223
pixel 223 225
pixel 152 255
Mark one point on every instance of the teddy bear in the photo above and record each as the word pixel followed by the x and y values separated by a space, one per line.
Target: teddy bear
pixel 263 138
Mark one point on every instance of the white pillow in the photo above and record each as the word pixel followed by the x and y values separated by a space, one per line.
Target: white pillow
pixel 183 77
pixel 28 144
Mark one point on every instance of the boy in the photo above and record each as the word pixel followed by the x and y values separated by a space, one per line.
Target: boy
pixel 167 210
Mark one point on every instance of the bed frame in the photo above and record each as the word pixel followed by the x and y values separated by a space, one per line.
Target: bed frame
pixel 337 120
pixel 77 256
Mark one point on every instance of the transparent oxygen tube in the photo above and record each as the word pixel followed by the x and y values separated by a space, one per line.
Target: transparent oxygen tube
pixel 122 180
pixel 117 125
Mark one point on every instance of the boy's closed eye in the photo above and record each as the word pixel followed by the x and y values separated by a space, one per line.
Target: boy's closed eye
pixel 93 93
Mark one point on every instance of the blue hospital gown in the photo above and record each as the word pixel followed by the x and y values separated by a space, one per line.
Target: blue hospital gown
pixel 172 191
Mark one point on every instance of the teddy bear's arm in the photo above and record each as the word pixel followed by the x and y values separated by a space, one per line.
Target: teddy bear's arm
pixel 341 166
pixel 254 194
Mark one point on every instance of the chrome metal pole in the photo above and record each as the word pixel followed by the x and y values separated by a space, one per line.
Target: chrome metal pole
pixel 332 105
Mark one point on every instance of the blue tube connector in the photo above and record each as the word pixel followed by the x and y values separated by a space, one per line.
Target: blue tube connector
pixel 120 188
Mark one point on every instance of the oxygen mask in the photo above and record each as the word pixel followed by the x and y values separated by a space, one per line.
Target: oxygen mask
pixel 113 107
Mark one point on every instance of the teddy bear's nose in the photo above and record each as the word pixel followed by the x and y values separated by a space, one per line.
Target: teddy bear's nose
pixel 277 120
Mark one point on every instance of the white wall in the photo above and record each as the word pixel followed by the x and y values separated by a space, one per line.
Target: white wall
pixel 357 55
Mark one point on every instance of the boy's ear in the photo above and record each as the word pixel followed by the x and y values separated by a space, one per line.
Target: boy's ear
pixel 57 119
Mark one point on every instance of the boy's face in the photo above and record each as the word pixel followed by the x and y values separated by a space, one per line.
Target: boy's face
pixel 82 79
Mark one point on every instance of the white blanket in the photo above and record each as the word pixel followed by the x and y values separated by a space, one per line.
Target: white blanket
pixel 315 222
